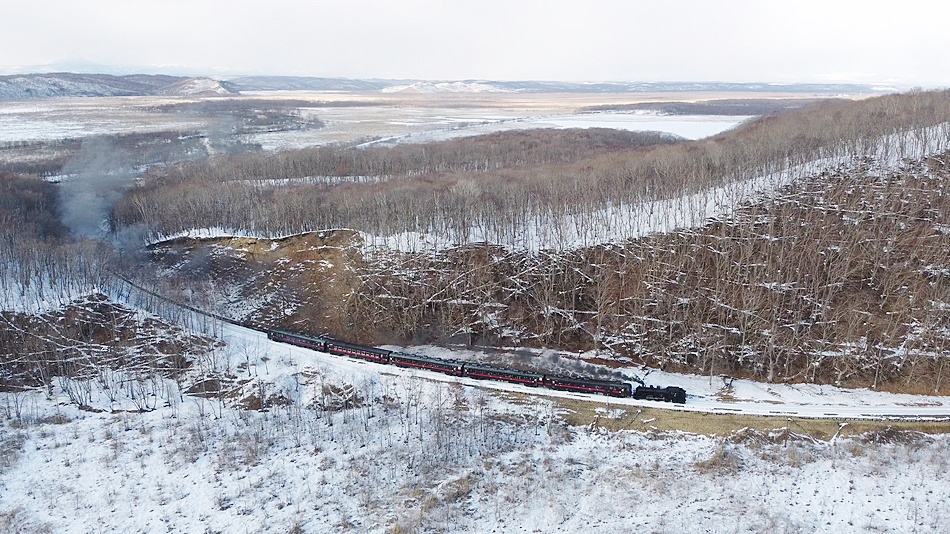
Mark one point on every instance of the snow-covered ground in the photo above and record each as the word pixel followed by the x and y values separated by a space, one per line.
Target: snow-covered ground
pixel 77 118
pixel 370 448
pixel 45 293
pixel 685 126
pixel 706 394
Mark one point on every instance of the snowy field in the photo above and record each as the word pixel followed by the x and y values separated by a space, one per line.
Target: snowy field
pixel 348 446
pixel 76 118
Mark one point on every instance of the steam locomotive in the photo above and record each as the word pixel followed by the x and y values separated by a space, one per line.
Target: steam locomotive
pixel 479 371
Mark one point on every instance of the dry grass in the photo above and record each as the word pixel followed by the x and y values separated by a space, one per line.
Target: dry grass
pixel 11 445
pixel 584 414
pixel 722 461
pixel 310 275
pixel 20 521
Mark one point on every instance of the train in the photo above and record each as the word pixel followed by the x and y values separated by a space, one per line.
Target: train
pixel 479 371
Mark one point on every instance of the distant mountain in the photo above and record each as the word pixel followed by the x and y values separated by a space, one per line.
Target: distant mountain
pixel 306 83
pixel 64 84
pixel 448 87
pixel 291 83
pixel 30 86
pixel 660 87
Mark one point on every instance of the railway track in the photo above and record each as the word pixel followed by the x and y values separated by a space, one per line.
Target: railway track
pixel 694 402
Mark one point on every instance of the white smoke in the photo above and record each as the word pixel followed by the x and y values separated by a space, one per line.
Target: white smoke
pixel 98 175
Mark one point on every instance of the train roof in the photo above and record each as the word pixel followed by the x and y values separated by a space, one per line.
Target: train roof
pixel 588 380
pixel 295 334
pixel 355 346
pixel 500 369
pixel 426 359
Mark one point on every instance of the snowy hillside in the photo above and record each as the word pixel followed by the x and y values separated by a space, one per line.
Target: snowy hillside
pixel 57 85
pixel 304 442
pixel 50 86
pixel 197 87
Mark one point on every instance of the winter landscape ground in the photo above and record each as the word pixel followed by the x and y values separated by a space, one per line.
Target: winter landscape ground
pixel 361 450
pixel 139 391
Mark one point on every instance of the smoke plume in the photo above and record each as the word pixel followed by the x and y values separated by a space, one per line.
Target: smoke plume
pixel 97 177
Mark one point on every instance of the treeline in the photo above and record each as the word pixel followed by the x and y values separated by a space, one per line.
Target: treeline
pixel 502 150
pixel 54 157
pixel 412 185
pixel 550 193
pixel 843 278
pixel 28 208
pixel 743 106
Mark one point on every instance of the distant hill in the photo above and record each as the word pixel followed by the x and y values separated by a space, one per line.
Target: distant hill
pixel 64 84
pixel 290 83
pixel 306 83
pixel 660 87
pixel 198 87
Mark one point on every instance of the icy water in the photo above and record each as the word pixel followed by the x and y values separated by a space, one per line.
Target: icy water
pixel 687 126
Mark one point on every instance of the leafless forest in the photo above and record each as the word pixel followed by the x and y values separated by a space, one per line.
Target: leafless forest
pixel 836 277
pixel 842 279
pixel 520 190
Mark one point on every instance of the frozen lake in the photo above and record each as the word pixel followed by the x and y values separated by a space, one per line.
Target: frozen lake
pixel 431 128
pixel 686 126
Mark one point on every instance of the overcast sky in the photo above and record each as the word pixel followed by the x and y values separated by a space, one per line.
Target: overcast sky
pixel 905 42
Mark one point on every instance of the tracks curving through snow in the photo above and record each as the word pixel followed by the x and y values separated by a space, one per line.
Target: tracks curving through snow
pixel 802 401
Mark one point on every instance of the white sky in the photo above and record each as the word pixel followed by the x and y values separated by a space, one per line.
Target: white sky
pixel 905 42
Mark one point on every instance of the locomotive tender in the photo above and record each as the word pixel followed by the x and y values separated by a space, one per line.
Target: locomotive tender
pixel 478 371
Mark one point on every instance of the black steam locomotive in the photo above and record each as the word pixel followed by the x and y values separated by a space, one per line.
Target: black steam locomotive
pixel 479 371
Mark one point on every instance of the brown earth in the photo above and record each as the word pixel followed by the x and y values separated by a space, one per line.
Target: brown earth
pixel 303 282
